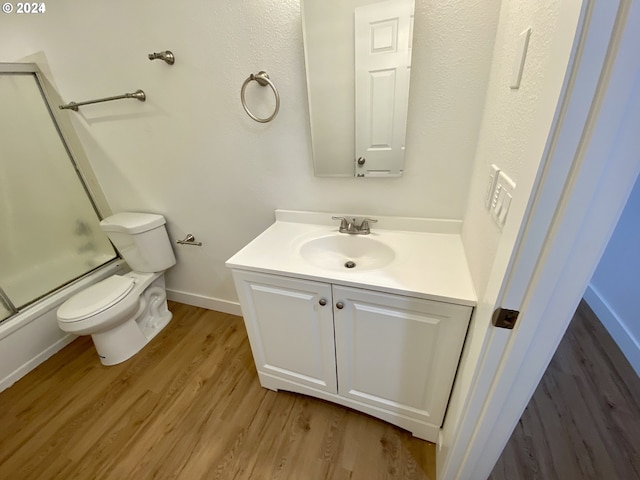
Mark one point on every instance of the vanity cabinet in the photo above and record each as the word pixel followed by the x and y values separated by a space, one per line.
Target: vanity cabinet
pixel 391 356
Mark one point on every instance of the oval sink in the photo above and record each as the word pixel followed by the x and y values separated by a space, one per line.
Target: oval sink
pixel 347 252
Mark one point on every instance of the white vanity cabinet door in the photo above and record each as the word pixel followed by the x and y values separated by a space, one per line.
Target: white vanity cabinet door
pixel 290 332
pixel 398 353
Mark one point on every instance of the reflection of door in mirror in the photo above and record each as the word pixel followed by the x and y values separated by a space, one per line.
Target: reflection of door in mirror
pixel 382 71
pixel 328 28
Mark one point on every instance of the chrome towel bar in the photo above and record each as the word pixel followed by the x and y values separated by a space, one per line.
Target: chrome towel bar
pixel 263 80
pixel 138 95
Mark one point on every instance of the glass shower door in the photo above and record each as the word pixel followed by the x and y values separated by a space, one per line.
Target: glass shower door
pixel 49 228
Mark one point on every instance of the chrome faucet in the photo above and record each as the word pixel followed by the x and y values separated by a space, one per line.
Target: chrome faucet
pixel 351 226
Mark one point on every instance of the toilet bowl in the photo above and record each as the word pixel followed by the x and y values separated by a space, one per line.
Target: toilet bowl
pixel 122 313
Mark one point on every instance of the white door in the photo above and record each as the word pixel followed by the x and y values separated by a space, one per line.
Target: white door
pixel 383 35
pixel 398 353
pixel 292 337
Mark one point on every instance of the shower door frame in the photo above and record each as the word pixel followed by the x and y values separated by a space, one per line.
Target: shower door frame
pixel 71 143
pixel 8 304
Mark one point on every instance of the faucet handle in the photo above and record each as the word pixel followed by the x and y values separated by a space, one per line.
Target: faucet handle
pixel 344 223
pixel 364 226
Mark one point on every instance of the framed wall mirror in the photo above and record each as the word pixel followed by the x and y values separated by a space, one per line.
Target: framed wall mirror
pixel 358 66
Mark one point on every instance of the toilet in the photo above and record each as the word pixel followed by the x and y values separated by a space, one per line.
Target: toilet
pixel 124 312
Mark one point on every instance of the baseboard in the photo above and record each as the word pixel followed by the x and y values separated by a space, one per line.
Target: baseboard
pixel 29 365
pixel 615 326
pixel 209 303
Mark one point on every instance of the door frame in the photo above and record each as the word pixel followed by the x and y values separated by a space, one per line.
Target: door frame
pixel 590 165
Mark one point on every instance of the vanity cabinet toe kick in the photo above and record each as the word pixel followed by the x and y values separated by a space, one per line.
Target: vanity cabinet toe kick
pixel 391 356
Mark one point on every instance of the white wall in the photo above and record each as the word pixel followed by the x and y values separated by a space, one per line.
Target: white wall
pixel 615 285
pixel 513 135
pixel 507 123
pixel 191 153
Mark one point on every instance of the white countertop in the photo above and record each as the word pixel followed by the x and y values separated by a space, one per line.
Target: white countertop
pixel 425 264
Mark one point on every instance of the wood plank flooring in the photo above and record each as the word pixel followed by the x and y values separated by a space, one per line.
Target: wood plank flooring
pixel 583 421
pixel 189 406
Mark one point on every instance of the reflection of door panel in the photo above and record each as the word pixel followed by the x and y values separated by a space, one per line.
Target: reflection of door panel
pixel 382 69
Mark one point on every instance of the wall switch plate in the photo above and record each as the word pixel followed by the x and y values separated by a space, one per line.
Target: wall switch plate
pixel 518 61
pixel 491 185
pixel 501 199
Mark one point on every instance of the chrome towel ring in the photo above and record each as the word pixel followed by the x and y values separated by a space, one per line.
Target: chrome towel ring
pixel 263 80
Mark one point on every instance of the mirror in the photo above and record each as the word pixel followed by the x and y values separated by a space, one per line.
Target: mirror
pixel 358 64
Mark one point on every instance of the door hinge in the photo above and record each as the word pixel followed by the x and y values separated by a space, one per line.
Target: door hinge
pixel 504 318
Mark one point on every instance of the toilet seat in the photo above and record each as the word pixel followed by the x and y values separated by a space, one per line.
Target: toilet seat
pixel 95 299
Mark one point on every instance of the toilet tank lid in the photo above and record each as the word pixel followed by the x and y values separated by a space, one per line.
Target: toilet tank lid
pixel 129 222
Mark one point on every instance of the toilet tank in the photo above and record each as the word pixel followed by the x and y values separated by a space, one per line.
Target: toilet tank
pixel 141 239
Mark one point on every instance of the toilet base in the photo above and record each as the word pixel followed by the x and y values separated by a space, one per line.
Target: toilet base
pixel 120 343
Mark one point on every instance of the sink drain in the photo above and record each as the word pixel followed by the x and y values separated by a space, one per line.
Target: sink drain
pixel 350 264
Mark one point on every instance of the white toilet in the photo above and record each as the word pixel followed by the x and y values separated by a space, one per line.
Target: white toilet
pixel 124 312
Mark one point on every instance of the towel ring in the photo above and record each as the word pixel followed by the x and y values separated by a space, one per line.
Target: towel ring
pixel 263 80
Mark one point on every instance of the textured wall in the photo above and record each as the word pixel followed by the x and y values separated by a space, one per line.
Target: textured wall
pixel 512 135
pixel 191 153
pixel 507 123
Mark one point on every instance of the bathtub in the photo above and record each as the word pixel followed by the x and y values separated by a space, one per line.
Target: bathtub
pixel 30 337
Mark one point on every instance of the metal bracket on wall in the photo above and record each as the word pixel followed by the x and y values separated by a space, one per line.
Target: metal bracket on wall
pixel 167 56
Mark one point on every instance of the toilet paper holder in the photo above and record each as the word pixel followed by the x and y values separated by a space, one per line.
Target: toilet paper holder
pixel 189 240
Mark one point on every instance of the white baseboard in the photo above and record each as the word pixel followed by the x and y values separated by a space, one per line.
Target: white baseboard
pixel 615 326
pixel 209 303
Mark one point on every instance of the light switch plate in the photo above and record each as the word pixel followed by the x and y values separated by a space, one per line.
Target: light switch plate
pixel 518 61
pixel 501 199
pixel 491 185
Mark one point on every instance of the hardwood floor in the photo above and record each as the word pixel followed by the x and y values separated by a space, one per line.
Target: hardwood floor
pixel 189 406
pixel 583 421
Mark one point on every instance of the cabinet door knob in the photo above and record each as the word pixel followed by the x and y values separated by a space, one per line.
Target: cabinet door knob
pixel 322 302
pixel 339 305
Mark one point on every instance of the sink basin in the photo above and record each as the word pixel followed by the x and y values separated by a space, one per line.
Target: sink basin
pixel 347 252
